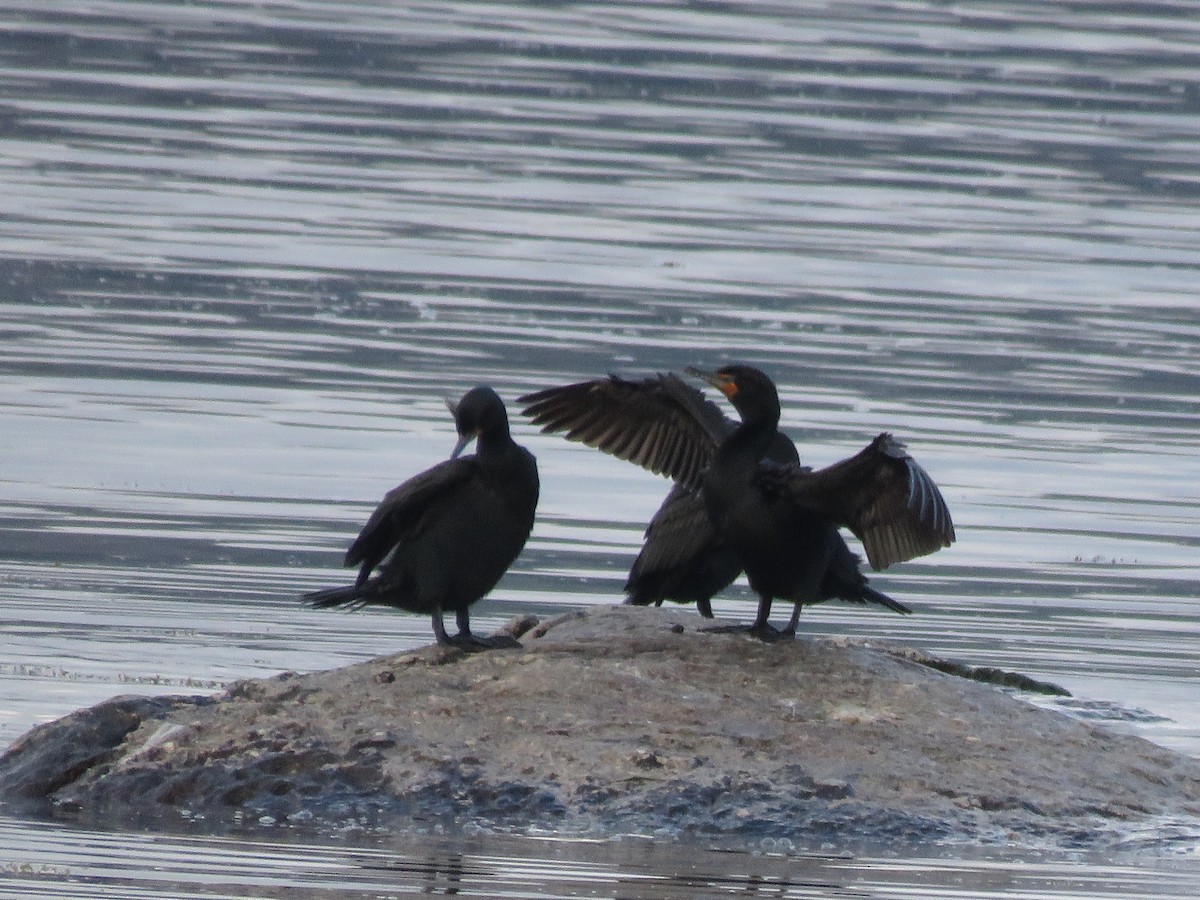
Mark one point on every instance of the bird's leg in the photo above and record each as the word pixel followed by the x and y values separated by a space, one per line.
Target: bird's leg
pixel 463 618
pixel 809 589
pixel 761 629
pixel 465 640
pixel 439 628
pixel 763 618
pixel 790 631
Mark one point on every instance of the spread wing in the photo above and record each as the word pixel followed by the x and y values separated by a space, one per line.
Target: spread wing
pixel 402 510
pixel 660 423
pixel 881 494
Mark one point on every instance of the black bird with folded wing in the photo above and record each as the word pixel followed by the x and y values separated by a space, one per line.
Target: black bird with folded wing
pixel 442 540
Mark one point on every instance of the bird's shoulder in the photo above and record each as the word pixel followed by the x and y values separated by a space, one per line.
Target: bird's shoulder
pixel 435 481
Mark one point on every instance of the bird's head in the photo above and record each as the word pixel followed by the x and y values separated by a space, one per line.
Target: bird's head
pixel 480 412
pixel 749 389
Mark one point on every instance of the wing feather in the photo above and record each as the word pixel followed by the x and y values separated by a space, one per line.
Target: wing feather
pixel 660 423
pixel 881 494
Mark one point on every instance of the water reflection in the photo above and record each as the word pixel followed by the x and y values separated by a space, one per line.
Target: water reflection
pixel 66 862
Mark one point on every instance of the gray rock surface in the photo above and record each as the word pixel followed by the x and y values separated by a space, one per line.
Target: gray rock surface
pixel 616 721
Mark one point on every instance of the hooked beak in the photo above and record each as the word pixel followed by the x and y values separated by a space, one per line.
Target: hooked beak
pixel 723 383
pixel 463 440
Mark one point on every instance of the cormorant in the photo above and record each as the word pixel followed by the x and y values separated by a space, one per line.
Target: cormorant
pixel 781 521
pixel 682 558
pixel 442 540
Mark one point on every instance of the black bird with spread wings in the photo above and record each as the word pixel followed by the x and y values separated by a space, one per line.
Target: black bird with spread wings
pixel 682 559
pixel 778 521
pixel 442 540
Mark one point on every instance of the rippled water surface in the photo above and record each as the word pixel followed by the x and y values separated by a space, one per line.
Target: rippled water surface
pixel 63 863
pixel 247 248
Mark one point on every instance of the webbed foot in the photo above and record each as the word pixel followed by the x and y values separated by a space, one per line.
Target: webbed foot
pixel 467 641
pixel 472 643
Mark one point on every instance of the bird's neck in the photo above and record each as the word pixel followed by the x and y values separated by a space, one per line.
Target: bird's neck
pixel 495 444
pixel 748 444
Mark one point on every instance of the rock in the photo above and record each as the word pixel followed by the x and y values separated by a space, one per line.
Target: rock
pixel 619 720
pixel 53 756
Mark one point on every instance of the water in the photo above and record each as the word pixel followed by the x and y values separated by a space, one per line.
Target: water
pixel 247 248
pixel 65 863
pixel 68 864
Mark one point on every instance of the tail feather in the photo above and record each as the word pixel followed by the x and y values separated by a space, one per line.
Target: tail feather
pixel 338 596
pixel 873 596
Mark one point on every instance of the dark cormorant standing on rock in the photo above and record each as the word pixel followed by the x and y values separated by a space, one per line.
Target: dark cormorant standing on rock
pixel 443 539
pixel 682 559
pixel 780 521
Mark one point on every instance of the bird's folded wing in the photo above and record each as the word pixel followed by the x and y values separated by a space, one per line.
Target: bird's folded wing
pixel 680 533
pixel 400 512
